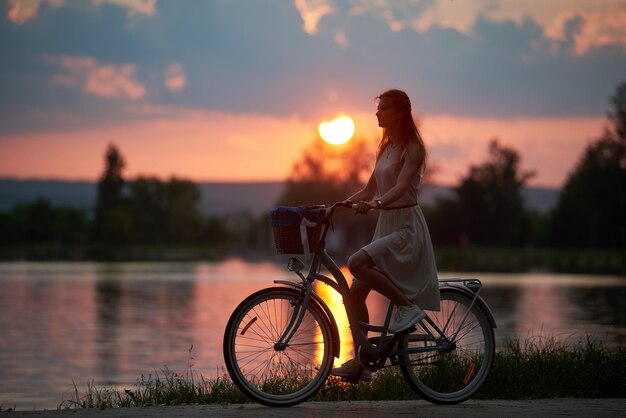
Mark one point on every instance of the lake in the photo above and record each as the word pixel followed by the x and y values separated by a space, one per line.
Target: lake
pixel 112 322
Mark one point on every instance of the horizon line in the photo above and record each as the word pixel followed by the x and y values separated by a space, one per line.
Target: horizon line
pixel 218 181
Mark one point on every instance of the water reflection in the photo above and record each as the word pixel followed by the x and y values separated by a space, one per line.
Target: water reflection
pixel 563 307
pixel 541 307
pixel 335 303
pixel 108 295
pixel 64 322
pixel 141 322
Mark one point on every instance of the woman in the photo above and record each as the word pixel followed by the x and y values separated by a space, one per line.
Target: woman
pixel 399 262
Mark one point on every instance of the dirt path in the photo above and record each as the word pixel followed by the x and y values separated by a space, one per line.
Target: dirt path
pixel 534 408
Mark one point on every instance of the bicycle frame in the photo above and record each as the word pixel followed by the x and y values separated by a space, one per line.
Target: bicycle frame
pixel 386 346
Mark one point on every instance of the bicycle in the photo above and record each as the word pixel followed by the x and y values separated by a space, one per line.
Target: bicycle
pixel 280 342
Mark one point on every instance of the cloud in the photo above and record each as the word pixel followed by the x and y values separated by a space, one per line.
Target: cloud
pixel 311 11
pixel 108 81
pixel 603 21
pixel 175 78
pixel 341 39
pixel 588 30
pixel 22 11
pixel 133 7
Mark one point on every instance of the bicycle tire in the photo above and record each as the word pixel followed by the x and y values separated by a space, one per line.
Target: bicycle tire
pixel 272 377
pixel 454 376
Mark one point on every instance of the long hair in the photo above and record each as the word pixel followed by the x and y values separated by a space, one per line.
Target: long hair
pixel 408 131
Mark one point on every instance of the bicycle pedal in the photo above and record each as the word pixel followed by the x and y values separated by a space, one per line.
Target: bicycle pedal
pixel 350 380
pixel 407 331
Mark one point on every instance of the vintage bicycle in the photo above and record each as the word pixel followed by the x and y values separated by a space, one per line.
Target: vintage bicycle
pixel 281 342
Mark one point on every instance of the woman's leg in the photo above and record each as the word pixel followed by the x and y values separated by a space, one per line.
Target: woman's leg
pixel 362 266
pixel 367 278
pixel 358 295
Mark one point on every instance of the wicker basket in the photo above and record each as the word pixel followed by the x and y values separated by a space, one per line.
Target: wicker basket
pixel 286 227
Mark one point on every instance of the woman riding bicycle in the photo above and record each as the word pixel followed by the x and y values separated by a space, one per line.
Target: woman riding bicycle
pixel 399 263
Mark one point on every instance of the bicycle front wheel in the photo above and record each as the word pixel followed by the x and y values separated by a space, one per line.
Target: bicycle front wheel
pixel 278 375
pixel 455 374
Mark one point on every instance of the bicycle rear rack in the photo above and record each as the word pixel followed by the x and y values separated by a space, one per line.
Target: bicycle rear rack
pixel 472 284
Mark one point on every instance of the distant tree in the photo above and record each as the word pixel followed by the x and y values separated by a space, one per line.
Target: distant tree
pixel 221 232
pixel 444 222
pixel 113 222
pixel 488 208
pixel 242 229
pixel 148 203
pixel 166 211
pixel 591 211
pixel 7 228
pixel 40 222
pixel 70 226
pixel 490 199
pixel 32 221
pixel 328 173
pixel 183 218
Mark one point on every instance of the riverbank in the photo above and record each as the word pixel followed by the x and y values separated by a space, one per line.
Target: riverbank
pixel 571 407
pixel 483 259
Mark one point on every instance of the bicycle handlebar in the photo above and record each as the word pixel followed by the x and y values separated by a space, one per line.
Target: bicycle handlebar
pixel 342 204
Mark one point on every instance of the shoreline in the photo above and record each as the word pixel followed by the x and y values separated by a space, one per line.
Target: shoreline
pixel 607 262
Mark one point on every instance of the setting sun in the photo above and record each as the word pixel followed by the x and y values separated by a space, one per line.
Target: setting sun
pixel 337 131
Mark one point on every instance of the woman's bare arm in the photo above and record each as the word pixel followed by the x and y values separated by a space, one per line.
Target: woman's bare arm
pixel 409 170
pixel 366 193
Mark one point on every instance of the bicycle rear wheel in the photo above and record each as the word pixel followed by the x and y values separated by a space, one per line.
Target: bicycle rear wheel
pixel 271 375
pixel 451 376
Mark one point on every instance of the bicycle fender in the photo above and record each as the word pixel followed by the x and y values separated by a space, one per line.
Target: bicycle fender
pixel 479 301
pixel 329 315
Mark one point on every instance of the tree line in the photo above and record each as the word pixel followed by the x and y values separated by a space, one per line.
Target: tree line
pixel 486 207
pixel 144 210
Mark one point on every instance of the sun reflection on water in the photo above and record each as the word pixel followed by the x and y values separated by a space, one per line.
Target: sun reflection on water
pixel 335 303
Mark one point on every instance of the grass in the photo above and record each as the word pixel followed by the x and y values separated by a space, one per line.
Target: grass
pixel 535 368
pixel 164 388
pixel 547 368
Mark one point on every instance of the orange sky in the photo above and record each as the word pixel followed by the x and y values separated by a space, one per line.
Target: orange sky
pixel 211 146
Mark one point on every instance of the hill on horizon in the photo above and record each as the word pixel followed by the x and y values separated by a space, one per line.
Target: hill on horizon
pixel 217 199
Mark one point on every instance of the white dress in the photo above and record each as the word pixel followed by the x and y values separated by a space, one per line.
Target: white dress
pixel 401 247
